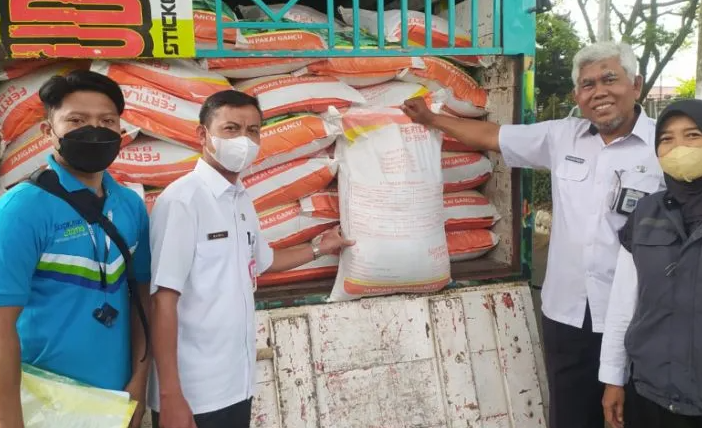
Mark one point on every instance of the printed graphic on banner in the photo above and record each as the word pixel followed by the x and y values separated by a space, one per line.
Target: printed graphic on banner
pixel 96 29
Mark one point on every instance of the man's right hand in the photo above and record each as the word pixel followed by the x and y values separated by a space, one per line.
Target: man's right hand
pixel 175 413
pixel 417 110
pixel 613 405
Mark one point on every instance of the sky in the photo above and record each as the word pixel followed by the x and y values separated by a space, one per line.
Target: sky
pixel 682 66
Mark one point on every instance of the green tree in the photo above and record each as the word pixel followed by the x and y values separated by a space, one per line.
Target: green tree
pixel 640 26
pixel 686 89
pixel 557 43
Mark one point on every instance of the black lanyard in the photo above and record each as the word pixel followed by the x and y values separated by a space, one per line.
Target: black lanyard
pixel 102 264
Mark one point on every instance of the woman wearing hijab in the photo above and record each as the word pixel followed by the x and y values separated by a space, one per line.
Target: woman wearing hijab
pixel 652 344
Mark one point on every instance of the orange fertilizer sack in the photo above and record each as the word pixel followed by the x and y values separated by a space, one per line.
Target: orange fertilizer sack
pixel 287 225
pixel 467 98
pixel 21 67
pixel 323 204
pixel 25 155
pixel 205 21
pixel 289 182
pixel 247 68
pixel 289 39
pixel 393 94
pixel 162 115
pixel 286 138
pixel 150 196
pixel 416 30
pixel 464 170
pixel 470 244
pixel 284 94
pixel 322 268
pixel 452 145
pixel 153 162
pixel 20 106
pixel 361 72
pixel 468 210
pixel 181 78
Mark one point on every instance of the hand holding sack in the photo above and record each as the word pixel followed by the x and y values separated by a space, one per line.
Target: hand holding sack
pixel 288 225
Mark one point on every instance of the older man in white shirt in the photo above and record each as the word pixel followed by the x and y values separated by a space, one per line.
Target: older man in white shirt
pixel 600 166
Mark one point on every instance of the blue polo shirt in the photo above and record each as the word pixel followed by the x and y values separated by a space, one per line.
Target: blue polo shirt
pixel 48 266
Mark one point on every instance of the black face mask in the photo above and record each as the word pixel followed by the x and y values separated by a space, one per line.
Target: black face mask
pixel 90 149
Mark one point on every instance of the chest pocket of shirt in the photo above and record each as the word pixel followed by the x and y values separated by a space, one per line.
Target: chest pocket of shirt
pixel 572 171
pixel 213 248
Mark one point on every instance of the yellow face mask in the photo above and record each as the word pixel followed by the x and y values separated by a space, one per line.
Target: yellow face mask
pixel 683 163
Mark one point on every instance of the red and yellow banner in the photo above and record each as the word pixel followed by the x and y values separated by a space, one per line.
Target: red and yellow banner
pixel 96 29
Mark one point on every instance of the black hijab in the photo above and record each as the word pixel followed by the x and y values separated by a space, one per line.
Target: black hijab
pixel 687 195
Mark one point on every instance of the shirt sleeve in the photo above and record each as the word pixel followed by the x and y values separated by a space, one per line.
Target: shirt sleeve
pixel 23 241
pixel 142 254
pixel 173 243
pixel 614 362
pixel 264 252
pixel 527 146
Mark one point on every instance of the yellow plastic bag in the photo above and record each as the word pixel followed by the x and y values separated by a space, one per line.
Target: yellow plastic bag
pixel 49 400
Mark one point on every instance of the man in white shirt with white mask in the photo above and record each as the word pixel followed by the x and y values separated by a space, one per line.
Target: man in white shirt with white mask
pixel 207 251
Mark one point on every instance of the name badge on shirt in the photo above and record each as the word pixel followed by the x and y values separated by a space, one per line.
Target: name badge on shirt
pixel 574 159
pixel 253 271
pixel 217 235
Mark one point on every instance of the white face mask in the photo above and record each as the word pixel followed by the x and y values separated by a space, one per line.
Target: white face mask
pixel 234 154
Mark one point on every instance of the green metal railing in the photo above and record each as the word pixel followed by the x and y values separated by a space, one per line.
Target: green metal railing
pixel 513 25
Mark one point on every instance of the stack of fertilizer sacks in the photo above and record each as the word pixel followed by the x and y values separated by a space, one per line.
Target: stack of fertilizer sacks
pixel 319 116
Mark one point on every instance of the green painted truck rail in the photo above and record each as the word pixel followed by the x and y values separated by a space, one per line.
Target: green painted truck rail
pixel 513 23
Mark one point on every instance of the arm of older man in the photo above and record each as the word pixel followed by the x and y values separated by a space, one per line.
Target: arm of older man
pixel 522 146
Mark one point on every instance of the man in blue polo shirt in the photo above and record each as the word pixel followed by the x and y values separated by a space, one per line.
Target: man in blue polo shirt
pixel 56 269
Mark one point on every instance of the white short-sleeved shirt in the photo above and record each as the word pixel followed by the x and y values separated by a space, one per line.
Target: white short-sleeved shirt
pixel 586 176
pixel 205 240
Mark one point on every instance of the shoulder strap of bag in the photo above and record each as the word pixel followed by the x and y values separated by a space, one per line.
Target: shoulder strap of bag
pixel 48 181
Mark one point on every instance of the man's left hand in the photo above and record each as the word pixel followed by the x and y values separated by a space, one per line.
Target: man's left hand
pixel 333 242
pixel 137 392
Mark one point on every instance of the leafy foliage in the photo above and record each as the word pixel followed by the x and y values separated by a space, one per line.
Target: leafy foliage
pixel 557 43
pixel 541 189
pixel 686 89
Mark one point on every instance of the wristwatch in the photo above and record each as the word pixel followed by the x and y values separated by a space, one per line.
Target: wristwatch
pixel 316 252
